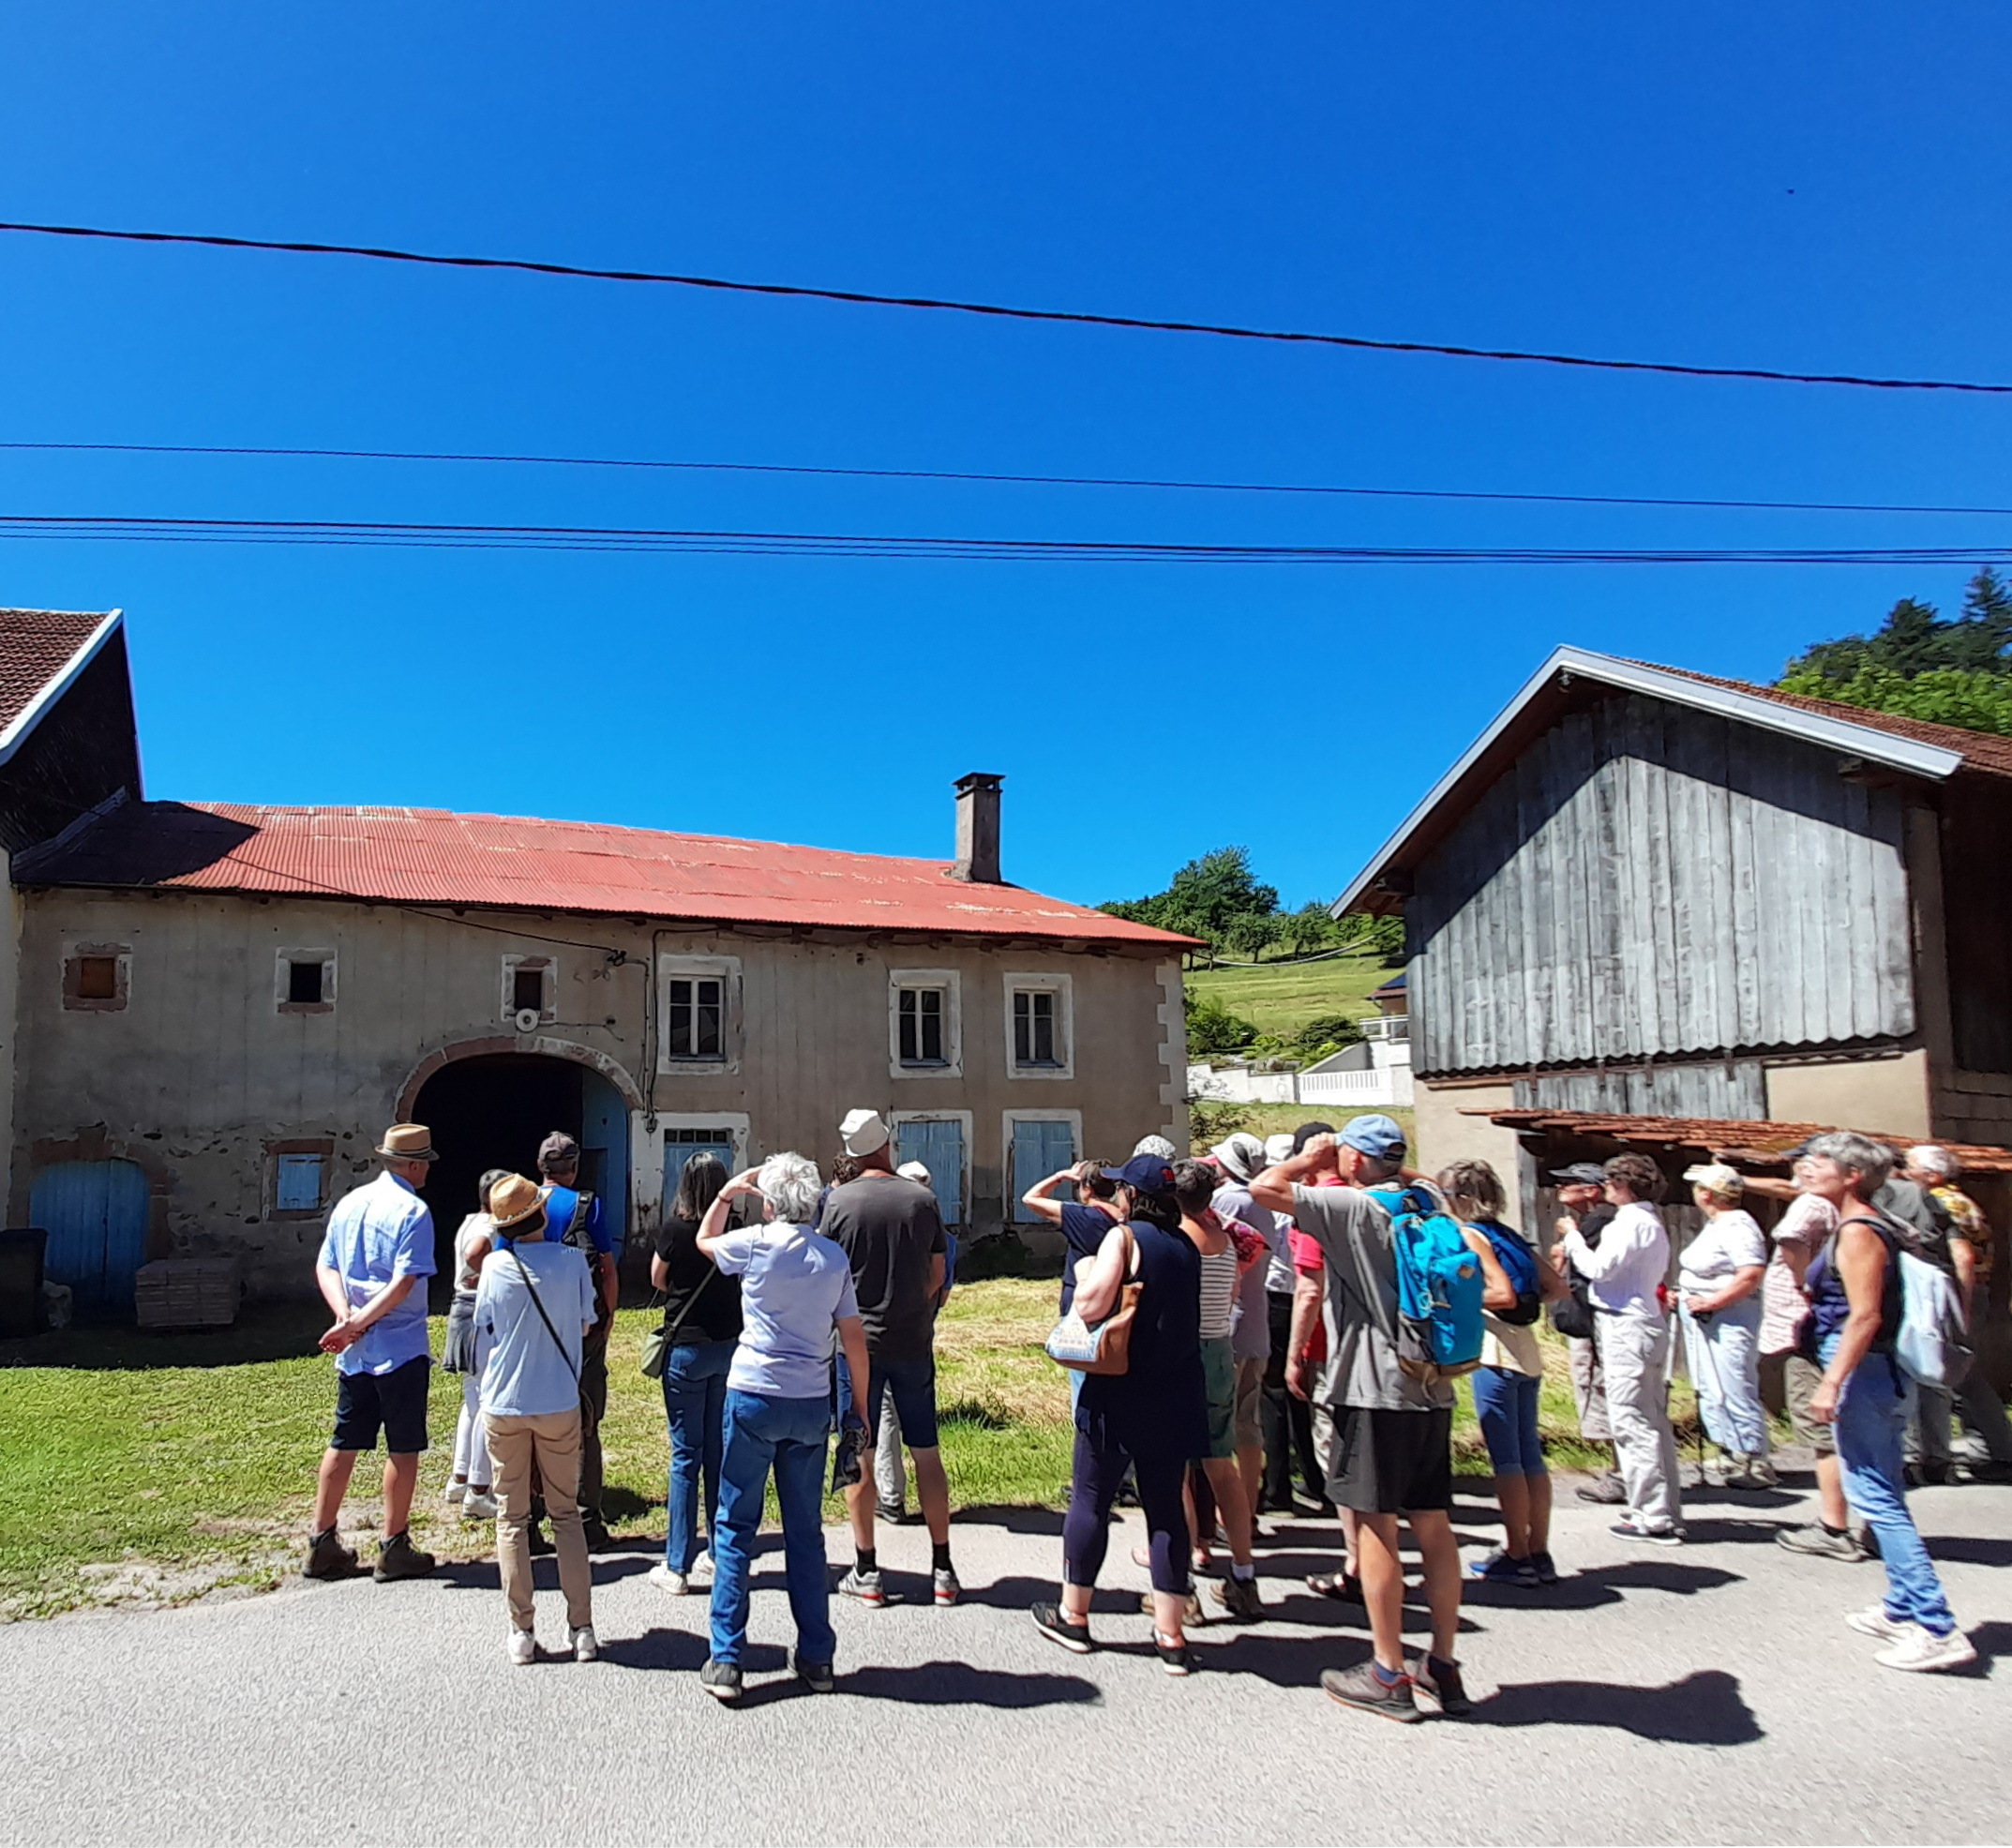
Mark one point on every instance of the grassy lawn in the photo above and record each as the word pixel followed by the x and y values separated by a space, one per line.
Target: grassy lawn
pixel 155 1468
pixel 1281 997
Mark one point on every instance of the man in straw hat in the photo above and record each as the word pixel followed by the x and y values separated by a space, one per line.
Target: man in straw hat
pixel 375 1259
pixel 534 1305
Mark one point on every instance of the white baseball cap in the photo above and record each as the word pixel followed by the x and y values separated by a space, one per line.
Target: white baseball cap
pixel 862 1132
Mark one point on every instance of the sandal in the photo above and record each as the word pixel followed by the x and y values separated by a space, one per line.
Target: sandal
pixel 1338 1586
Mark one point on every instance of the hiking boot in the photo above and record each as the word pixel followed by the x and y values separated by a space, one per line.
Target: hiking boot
pixel 1500 1569
pixel 1987 1470
pixel 1547 1573
pixel 586 1645
pixel 1058 1627
pixel 818 1676
pixel 1191 1615
pixel 1923 1652
pixel 943 1583
pixel 398 1558
pixel 722 1680
pixel 1821 1542
pixel 1640 1531
pixel 1609 1491
pixel 1239 1598
pixel 328 1559
pixel 1873 1621
pixel 866 1586
pixel 1175 1658
pixel 598 1539
pixel 1365 1690
pixel 523 1647
pixel 1437 1688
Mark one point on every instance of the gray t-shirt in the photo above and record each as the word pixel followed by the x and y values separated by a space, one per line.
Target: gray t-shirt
pixel 1353 1232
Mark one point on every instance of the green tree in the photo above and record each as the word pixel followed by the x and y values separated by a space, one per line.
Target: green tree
pixel 1212 1028
pixel 1974 700
pixel 1916 639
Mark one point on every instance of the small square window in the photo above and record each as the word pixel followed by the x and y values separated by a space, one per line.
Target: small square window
pixel 304 982
pixel 97 977
pixel 298 1188
pixel 527 989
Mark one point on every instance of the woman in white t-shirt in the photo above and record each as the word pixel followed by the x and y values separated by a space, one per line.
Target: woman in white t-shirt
pixel 1719 1283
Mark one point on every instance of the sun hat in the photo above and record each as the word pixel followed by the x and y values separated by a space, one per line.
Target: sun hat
pixel 408 1142
pixel 916 1171
pixel 1279 1147
pixel 514 1202
pixel 1154 1144
pixel 1717 1177
pixel 1242 1154
pixel 1376 1136
pixel 862 1132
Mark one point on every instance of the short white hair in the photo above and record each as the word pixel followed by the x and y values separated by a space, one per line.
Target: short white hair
pixel 1932 1158
pixel 1871 1162
pixel 789 1183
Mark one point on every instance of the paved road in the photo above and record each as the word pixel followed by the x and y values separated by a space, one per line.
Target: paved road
pixel 1710 1694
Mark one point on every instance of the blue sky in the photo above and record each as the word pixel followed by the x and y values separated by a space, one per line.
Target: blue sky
pixel 1815 188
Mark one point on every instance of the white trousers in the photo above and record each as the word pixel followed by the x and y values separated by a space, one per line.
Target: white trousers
pixel 1634 1353
pixel 470 1442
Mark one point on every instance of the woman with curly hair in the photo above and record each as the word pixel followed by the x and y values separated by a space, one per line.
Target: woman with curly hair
pixel 1626 1270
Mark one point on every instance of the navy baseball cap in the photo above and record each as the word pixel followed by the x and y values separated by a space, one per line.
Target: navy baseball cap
pixel 1148 1174
pixel 1585 1174
pixel 1378 1137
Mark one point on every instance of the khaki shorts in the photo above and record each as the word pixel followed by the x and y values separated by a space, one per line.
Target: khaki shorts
pixel 1799 1380
pixel 1250 1402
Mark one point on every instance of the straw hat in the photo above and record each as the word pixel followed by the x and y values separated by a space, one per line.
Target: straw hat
pixel 408 1142
pixel 515 1202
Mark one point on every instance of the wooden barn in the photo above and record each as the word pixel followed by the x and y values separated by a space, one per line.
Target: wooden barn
pixel 1647 891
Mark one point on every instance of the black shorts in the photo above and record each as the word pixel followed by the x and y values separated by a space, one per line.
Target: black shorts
pixel 395 1402
pixel 1391 1462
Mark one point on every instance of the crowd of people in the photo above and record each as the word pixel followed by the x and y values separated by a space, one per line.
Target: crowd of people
pixel 1256 1295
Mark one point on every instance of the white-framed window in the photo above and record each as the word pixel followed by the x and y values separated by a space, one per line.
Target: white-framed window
pixel 1036 1144
pixel 924 1023
pixel 698 1004
pixel 940 1140
pixel 304 981
pixel 1040 1027
pixel 533 982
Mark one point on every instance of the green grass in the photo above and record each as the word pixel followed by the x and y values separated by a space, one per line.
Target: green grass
pixel 1281 997
pixel 156 1468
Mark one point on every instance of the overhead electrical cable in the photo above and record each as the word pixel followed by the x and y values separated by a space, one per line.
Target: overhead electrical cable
pixel 176 529
pixel 998 310
pixel 814 469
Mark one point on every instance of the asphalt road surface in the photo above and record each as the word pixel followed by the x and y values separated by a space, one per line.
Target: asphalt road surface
pixel 1710 1693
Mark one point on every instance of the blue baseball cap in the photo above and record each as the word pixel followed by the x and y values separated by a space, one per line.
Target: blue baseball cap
pixel 1379 1138
pixel 1148 1174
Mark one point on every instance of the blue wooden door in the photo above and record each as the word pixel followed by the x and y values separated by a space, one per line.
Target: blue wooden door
pixel 604 1134
pixel 1040 1148
pixel 679 1145
pixel 94 1214
pixel 938 1144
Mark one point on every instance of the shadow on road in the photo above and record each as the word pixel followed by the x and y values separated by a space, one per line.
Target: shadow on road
pixel 1970 1549
pixel 959 1684
pixel 1704 1709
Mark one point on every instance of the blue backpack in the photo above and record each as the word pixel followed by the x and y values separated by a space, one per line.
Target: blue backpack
pixel 1438 1288
pixel 1518 1263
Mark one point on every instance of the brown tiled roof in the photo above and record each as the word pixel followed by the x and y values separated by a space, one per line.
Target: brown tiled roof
pixel 36 645
pixel 1984 751
pixel 1721 1135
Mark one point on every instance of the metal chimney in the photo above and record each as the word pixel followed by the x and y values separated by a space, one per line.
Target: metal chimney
pixel 978 828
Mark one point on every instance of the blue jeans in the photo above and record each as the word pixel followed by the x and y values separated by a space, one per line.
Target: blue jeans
pixel 791 1434
pixel 1871 1420
pixel 695 1407
pixel 1505 1406
pixel 1724 1354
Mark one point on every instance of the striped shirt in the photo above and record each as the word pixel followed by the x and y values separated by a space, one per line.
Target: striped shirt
pixel 1219 1293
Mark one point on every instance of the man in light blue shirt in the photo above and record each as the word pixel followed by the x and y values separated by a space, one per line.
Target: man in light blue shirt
pixel 375 1259
pixel 535 1302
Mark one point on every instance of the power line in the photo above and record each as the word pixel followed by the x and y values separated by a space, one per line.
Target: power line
pixel 662 540
pixel 270 450
pixel 1000 311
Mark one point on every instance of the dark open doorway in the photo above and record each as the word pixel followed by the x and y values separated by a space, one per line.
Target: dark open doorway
pixel 493 1111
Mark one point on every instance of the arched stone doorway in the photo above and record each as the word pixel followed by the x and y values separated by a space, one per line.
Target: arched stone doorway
pixel 492 1110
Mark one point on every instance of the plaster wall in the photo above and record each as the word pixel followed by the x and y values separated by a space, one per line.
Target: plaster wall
pixel 1889 1094
pixel 202 1072
pixel 1445 1135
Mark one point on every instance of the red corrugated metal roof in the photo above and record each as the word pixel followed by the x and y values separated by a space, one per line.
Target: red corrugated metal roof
pixel 427 856
pixel 1721 1136
pixel 36 645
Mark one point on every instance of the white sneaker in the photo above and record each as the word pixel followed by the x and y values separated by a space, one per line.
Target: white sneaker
pixel 1923 1652
pixel 476 1506
pixel 1873 1621
pixel 701 1573
pixel 585 1648
pixel 523 1647
pixel 454 1490
pixel 677 1584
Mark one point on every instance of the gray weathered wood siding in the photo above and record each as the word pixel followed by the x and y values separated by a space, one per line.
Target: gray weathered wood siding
pixel 1721 1087
pixel 1649 880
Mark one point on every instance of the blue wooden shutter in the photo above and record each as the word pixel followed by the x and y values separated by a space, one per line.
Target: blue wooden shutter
pixel 1038 1150
pixel 938 1144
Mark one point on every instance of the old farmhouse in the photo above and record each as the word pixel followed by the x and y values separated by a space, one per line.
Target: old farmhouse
pixel 1648 893
pixel 214 1007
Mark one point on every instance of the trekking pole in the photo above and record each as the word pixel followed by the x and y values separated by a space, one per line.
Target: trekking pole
pixel 1711 1361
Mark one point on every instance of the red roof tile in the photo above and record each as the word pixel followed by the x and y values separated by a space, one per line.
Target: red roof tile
pixel 427 856
pixel 36 645
pixel 1720 1135
pixel 1985 751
